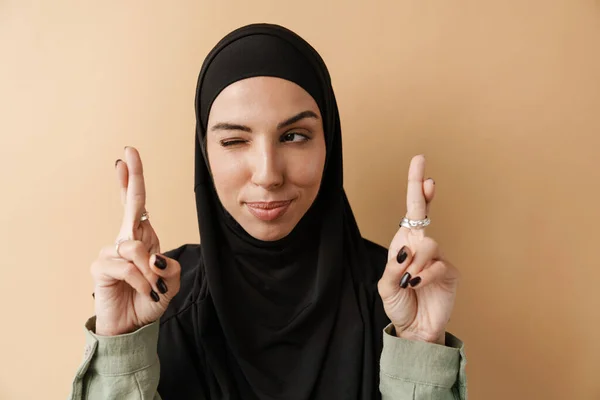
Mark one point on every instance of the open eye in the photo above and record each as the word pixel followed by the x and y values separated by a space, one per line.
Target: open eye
pixel 294 137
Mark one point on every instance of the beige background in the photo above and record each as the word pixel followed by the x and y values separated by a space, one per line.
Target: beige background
pixel 503 97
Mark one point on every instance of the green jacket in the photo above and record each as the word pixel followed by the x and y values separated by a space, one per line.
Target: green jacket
pixel 126 367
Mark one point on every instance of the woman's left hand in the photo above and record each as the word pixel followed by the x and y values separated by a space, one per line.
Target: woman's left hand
pixel 418 286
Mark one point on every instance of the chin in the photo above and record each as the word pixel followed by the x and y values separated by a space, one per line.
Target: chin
pixel 270 232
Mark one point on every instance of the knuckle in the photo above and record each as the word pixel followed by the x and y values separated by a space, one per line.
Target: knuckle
pixel 175 273
pixel 174 289
pixel 127 229
pixel 155 245
pixel 414 269
pixel 151 277
pixel 138 198
pixel 129 270
pixel 95 267
pixel 138 247
pixel 430 242
pixel 175 265
pixel 105 251
pixel 443 268
pixel 379 286
pixel 147 272
pixel 415 205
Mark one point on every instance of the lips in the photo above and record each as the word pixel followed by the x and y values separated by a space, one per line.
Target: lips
pixel 268 210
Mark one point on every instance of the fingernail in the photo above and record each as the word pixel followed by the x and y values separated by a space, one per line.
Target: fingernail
pixel 432 180
pixel 160 262
pixel 404 280
pixel 117 162
pixel 94 295
pixel 162 287
pixel 402 254
pixel 125 148
pixel 415 281
pixel 154 296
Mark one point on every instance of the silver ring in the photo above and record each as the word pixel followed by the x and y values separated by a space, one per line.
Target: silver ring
pixel 145 216
pixel 118 243
pixel 415 223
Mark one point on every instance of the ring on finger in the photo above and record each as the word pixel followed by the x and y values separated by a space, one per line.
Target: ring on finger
pixel 145 216
pixel 118 244
pixel 415 223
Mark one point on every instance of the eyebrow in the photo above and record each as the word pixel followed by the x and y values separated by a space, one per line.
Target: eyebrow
pixel 226 126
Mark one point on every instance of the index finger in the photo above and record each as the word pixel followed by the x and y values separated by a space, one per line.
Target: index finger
pixel 416 204
pixel 135 201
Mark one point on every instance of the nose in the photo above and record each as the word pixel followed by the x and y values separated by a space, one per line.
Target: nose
pixel 268 168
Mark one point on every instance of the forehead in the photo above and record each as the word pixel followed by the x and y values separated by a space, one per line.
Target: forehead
pixel 267 98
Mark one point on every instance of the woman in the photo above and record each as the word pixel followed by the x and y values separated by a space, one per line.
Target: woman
pixel 284 299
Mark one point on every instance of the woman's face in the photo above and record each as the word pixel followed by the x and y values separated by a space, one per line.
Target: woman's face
pixel 266 150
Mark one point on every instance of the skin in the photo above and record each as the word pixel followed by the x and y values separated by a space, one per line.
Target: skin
pixel 265 162
pixel 253 158
pixel 420 312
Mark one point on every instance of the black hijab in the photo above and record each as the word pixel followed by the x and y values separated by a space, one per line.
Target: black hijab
pixel 296 318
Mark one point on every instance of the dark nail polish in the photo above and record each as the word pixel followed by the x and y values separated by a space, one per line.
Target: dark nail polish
pixel 154 296
pixel 117 162
pixel 402 254
pixel 415 281
pixel 404 281
pixel 160 262
pixel 162 286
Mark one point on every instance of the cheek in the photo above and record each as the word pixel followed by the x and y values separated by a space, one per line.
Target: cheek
pixel 308 171
pixel 228 174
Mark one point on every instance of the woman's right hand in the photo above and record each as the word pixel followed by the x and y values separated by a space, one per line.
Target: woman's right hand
pixel 134 287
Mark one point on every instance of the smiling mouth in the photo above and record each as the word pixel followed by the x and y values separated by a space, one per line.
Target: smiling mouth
pixel 268 210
